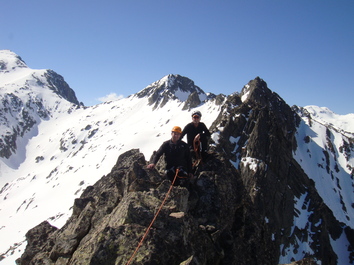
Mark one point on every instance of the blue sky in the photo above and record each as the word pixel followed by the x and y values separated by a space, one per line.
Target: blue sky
pixel 304 50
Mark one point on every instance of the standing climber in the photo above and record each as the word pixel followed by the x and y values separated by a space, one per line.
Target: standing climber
pixel 197 132
pixel 177 156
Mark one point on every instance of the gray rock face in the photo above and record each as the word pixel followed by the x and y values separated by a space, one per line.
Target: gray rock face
pixel 239 209
pixel 59 86
pixel 192 101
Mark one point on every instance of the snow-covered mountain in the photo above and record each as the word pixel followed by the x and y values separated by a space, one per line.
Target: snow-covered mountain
pixel 52 147
pixel 69 146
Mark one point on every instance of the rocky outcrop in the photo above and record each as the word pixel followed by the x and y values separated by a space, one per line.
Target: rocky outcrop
pixel 193 101
pixel 36 239
pixel 110 217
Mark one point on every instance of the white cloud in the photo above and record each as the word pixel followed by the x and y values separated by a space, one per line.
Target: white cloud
pixel 110 97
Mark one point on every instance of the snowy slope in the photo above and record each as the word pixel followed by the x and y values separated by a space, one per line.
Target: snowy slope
pixel 319 157
pixel 326 154
pixel 73 150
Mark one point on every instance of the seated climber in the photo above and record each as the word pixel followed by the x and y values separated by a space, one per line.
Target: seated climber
pixel 197 132
pixel 177 156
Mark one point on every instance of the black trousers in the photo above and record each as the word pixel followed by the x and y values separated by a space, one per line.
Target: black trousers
pixel 181 180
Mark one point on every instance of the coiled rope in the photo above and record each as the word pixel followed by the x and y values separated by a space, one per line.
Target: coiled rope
pixel 153 220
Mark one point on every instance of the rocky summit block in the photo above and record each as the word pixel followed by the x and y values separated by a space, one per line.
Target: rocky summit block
pixel 111 216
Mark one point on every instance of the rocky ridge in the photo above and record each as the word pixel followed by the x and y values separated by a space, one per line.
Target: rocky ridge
pixel 247 204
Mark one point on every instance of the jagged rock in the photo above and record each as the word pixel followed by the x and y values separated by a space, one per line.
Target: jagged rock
pixel 37 238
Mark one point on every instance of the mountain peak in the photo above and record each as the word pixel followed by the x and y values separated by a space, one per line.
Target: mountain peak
pixel 10 61
pixel 175 87
pixel 256 92
pixel 255 89
pixel 29 78
pixel 27 97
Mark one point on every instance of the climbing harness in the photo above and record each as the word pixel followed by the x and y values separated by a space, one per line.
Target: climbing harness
pixel 153 220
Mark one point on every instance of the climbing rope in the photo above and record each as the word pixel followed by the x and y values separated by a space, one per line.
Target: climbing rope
pixel 196 148
pixel 153 220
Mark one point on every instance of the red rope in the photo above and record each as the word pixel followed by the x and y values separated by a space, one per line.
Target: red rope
pixel 153 220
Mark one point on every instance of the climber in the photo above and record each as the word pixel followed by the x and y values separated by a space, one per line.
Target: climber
pixel 197 132
pixel 177 156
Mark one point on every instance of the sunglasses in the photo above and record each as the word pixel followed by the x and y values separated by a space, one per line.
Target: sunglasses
pixel 196 117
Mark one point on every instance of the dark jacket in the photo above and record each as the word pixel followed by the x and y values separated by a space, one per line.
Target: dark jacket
pixel 176 155
pixel 192 131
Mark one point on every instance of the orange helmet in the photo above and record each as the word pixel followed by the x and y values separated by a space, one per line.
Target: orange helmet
pixel 177 129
